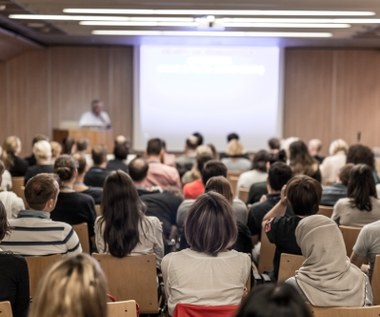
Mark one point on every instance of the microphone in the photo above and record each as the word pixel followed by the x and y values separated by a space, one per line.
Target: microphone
pixel 358 136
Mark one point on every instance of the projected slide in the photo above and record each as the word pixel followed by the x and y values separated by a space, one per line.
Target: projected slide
pixel 212 90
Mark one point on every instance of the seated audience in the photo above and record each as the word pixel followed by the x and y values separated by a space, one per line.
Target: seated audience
pixel 12 203
pixel 274 300
pixel 160 203
pixel 303 193
pixel 32 158
pixel 199 137
pixel 236 161
pixel 72 207
pixel 81 146
pixel 79 185
pixel 332 193
pixel 14 277
pixel 124 229
pixel 185 161
pixel 274 145
pixel 315 147
pixel 56 150
pixel 367 246
pixel 278 175
pixel 74 287
pixel 334 162
pixel 257 174
pixel 97 174
pixel 362 154
pixel 120 151
pixel 195 173
pixel 326 277
pixel 159 174
pixel 33 232
pixel 301 162
pixel 208 273
pixel 361 205
pixel 42 152
pixel 10 156
pixel 196 188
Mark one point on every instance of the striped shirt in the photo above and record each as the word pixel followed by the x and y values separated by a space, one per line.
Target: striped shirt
pixel 34 233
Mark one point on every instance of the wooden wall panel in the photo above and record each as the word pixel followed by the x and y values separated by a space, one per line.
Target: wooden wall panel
pixel 3 104
pixel 308 94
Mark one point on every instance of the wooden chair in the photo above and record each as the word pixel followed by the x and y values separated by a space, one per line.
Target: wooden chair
pixel 37 266
pixel 375 281
pixel 122 309
pixel 132 277
pixel 350 234
pixel 18 187
pixel 369 311
pixel 267 251
pixel 81 230
pixel 289 263
pixel 5 309
pixel 243 194
pixel 325 210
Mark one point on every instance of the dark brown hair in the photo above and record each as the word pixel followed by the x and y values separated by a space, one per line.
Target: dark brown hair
pixel 221 185
pixel 304 194
pixel 39 189
pixel 122 214
pixel 361 187
pixel 210 226
pixel 301 161
pixel 4 226
pixel 64 167
pixel 99 154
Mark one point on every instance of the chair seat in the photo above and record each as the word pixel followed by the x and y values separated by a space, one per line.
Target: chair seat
pixel 188 310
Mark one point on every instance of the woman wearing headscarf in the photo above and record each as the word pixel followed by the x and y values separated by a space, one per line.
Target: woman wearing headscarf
pixel 327 277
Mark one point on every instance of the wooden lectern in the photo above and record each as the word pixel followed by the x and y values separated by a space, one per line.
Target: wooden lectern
pixel 94 136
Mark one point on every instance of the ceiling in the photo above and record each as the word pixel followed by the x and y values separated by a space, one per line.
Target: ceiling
pixel 19 35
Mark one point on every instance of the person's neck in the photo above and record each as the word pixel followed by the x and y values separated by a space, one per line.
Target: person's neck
pixel 67 187
pixel 154 158
pixel 102 165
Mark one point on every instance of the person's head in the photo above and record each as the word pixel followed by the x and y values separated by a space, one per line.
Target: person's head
pixel 99 155
pixel 361 154
pixel 122 213
pixel 39 137
pixel 154 147
pixel 232 136
pixel 56 149
pixel 97 106
pixel 304 194
pixel 221 185
pixel 12 145
pixel 199 138
pixel 201 160
pixel 80 162
pixel 41 192
pixel 344 173
pixel 361 186
pixel 42 151
pixel 213 168
pixel 260 161
pixel 210 226
pixel 338 145
pixel 274 144
pixel 278 175
pixel 65 168
pixel 4 225
pixel 298 151
pixel 138 169
pixel 121 151
pixel 314 146
pixel 235 148
pixel 191 143
pixel 269 300
pixel 75 286
pixel 81 145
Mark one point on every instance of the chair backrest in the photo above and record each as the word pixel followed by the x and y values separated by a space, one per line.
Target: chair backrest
pixel 5 309
pixel 369 311
pixel 132 277
pixel 38 266
pixel 375 281
pixel 18 187
pixel 325 210
pixel 289 263
pixel 188 310
pixel 350 234
pixel 82 233
pixel 267 251
pixel 125 308
pixel 243 194
pixel 233 178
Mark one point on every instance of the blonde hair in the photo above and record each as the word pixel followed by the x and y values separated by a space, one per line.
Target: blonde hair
pixel 338 145
pixel 42 150
pixel 11 147
pixel 73 287
pixel 235 148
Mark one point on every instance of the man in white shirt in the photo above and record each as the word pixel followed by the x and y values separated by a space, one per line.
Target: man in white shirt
pixel 96 117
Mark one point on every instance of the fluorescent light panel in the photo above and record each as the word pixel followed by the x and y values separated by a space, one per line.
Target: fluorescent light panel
pixel 217 12
pixel 211 33
pixel 139 23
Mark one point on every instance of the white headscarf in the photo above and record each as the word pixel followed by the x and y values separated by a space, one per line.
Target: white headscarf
pixel 327 277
